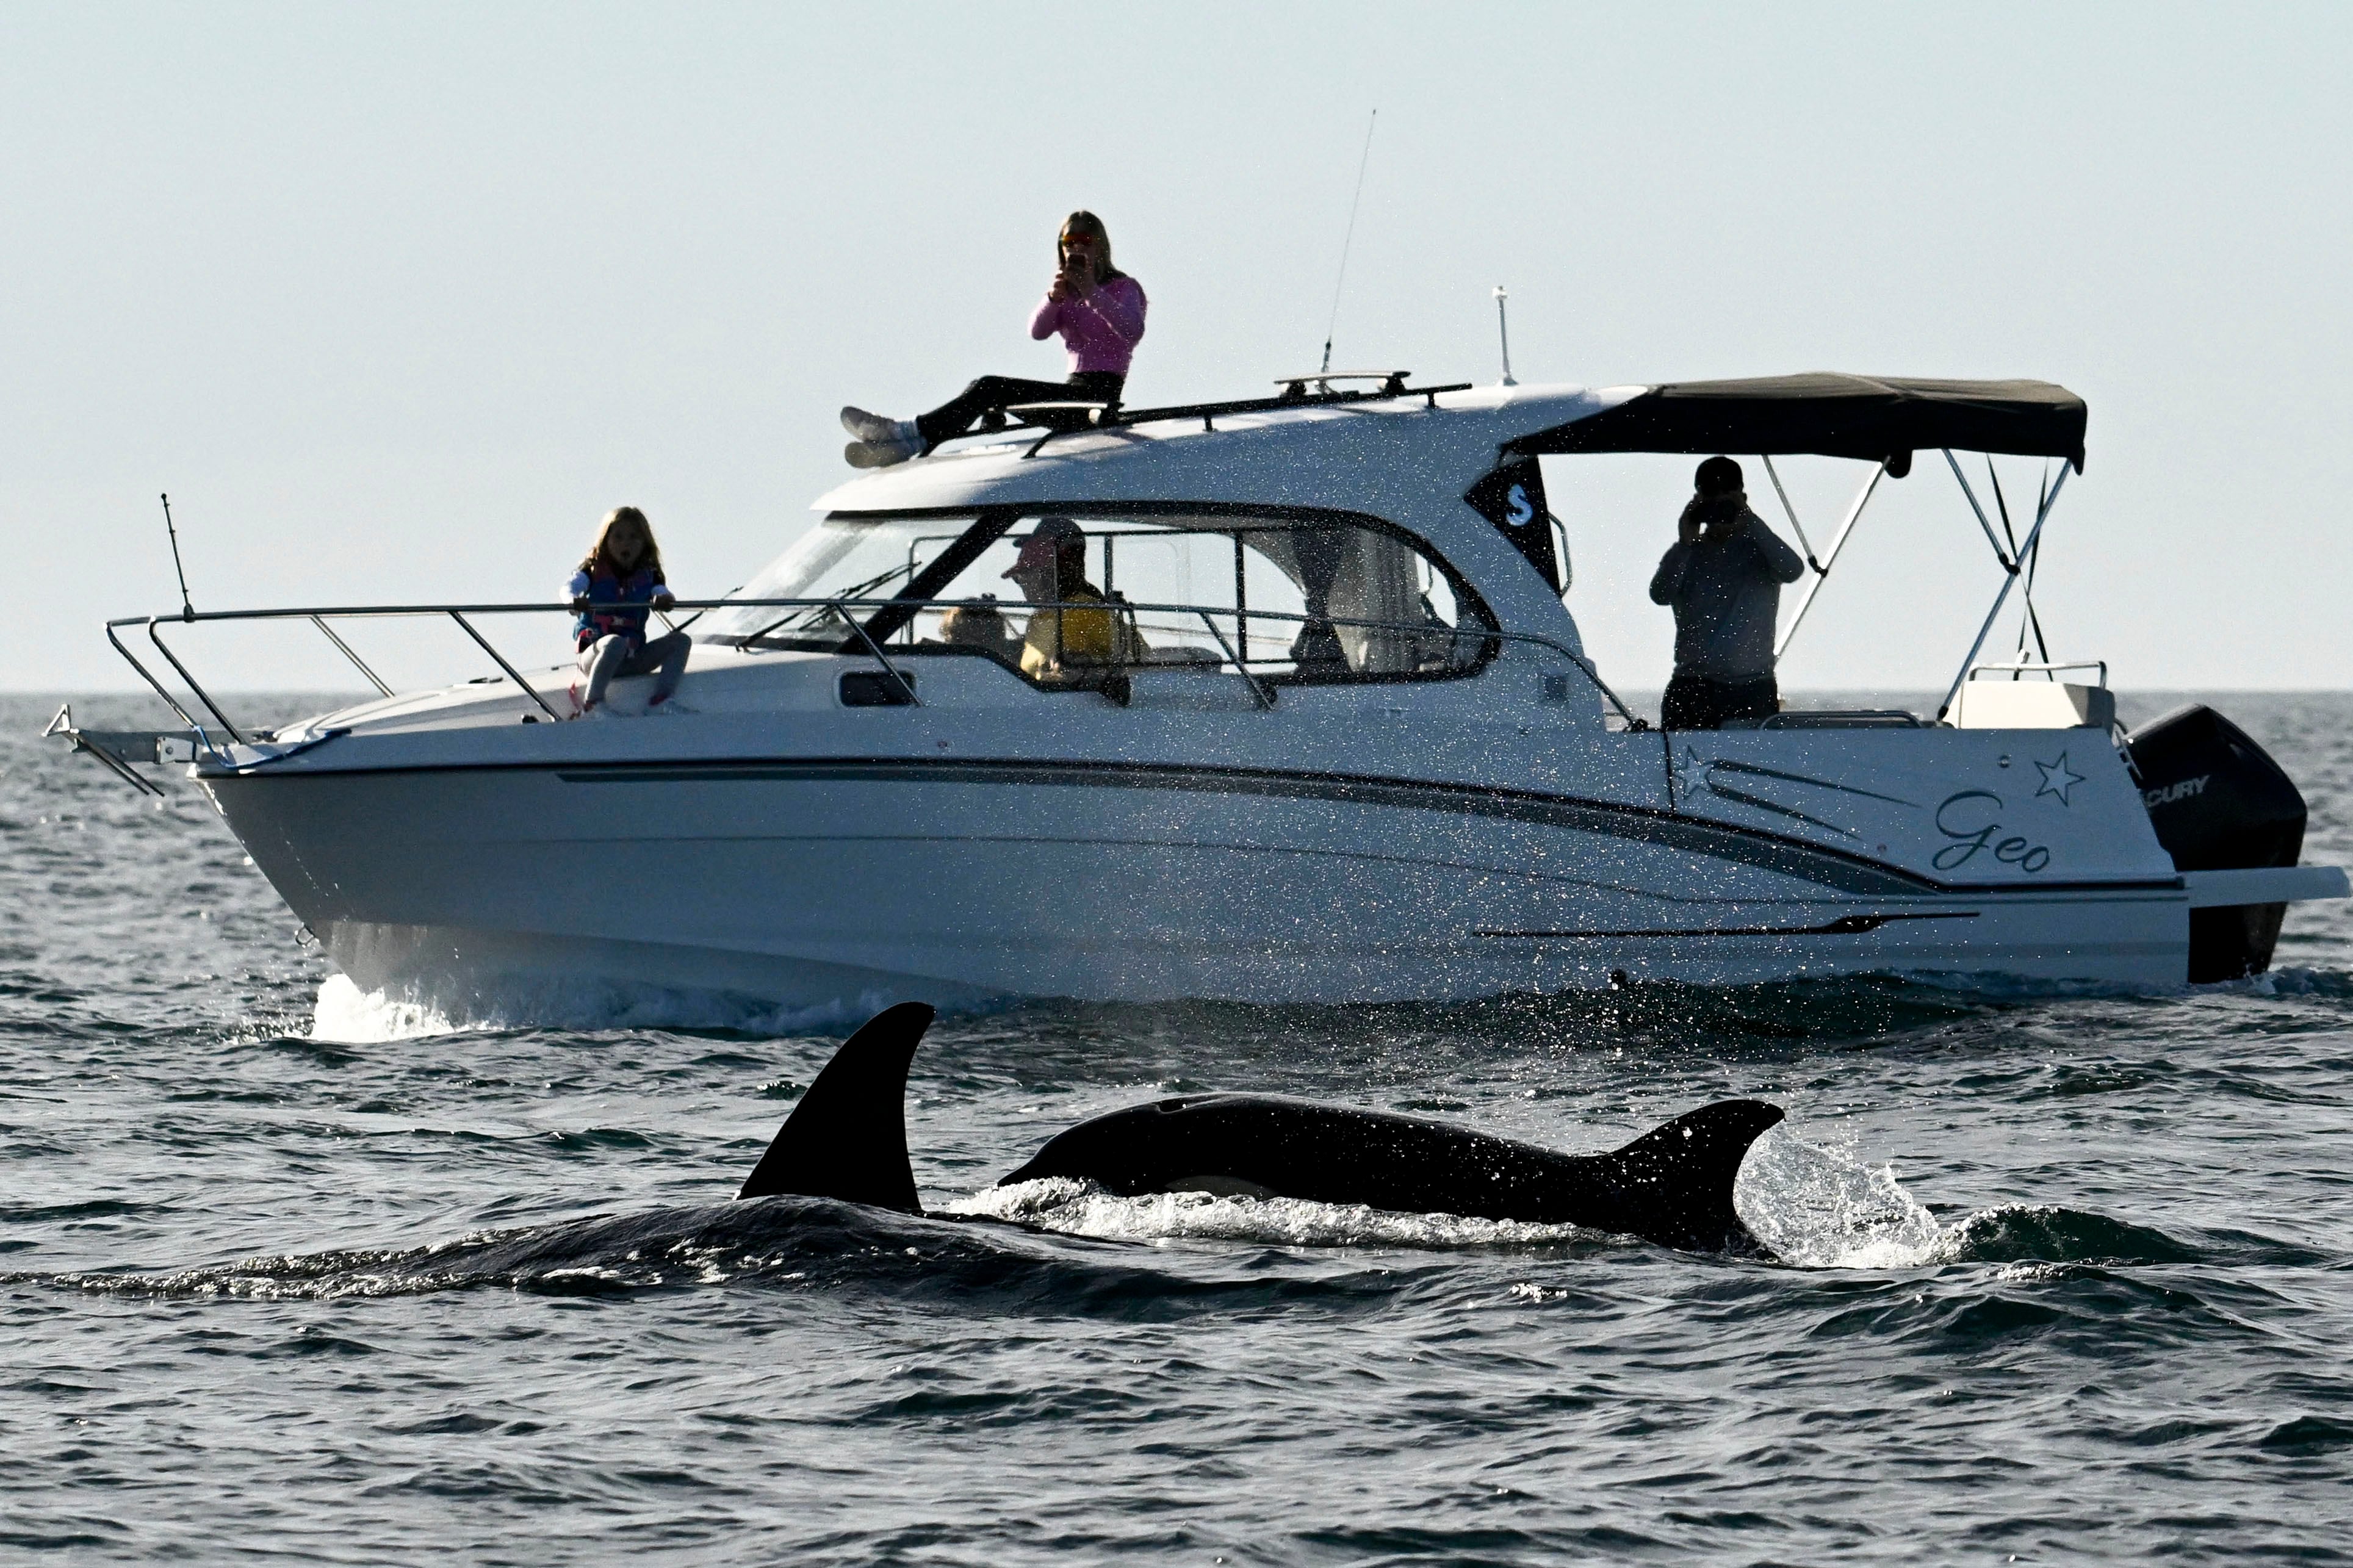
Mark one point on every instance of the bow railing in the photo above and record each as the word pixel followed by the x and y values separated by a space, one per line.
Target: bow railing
pixel 1234 653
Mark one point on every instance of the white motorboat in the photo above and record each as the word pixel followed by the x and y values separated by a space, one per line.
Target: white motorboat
pixel 1348 746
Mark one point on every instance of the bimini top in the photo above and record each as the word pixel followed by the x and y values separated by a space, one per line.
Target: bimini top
pixel 1830 416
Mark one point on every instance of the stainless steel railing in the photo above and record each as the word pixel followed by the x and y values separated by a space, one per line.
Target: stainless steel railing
pixel 319 615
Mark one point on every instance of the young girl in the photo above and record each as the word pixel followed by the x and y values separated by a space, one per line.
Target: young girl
pixel 623 567
pixel 1096 308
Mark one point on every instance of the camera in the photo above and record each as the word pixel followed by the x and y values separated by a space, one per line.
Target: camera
pixel 1716 515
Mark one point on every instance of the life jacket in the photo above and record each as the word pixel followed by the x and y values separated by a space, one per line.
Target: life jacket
pixel 601 587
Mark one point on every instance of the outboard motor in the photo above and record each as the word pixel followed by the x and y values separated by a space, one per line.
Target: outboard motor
pixel 2218 802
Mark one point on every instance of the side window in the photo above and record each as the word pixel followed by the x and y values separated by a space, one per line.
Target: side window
pixel 1299 602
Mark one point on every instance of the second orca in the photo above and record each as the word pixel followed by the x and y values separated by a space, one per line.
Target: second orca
pixel 847 1139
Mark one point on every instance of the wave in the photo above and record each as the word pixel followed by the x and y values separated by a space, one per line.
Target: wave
pixel 2289 981
pixel 1014 1240
pixel 783 1242
pixel 775 1241
pixel 2045 1233
pixel 1816 1208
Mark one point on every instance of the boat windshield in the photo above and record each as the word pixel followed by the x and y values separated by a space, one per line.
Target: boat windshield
pixel 843 557
pixel 1307 599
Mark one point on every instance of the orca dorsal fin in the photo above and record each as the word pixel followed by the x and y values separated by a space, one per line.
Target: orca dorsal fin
pixel 848 1137
pixel 1678 1176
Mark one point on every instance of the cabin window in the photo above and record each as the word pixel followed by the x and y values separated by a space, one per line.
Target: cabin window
pixel 1299 599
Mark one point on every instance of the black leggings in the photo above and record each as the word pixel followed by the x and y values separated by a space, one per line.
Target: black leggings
pixel 993 394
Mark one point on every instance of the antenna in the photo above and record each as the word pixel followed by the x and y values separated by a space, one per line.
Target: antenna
pixel 1350 237
pixel 1504 330
pixel 187 610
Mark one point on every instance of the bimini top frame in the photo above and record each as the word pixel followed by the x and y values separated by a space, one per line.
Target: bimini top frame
pixel 1879 420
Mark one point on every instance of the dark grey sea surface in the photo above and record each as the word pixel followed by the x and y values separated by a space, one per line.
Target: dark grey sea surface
pixel 291 1274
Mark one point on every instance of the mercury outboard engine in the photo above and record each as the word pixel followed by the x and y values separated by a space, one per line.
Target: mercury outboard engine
pixel 2218 802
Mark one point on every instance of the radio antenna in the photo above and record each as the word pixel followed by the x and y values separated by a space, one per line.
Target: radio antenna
pixel 187 610
pixel 1350 237
pixel 1504 328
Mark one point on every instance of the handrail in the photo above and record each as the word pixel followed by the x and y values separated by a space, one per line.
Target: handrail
pixel 1478 633
pixel 1115 418
pixel 2043 667
pixel 169 701
pixel 906 687
pixel 1258 691
pixel 320 613
pixel 203 696
pixel 513 674
pixel 357 663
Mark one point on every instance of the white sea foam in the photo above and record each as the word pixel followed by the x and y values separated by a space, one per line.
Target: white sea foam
pixel 345 1014
pixel 1818 1207
pixel 348 1016
pixel 1079 1208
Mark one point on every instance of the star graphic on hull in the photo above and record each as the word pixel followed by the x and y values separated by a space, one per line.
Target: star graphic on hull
pixel 2058 778
pixel 1690 773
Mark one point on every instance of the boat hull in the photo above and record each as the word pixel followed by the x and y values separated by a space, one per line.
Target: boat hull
pixel 847 883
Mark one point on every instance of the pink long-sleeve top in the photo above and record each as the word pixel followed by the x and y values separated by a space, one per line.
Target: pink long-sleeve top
pixel 1100 332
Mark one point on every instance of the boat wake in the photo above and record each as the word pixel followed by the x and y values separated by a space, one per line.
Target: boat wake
pixel 346 1014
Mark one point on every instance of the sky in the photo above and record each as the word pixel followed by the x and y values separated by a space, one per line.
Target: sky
pixel 397 301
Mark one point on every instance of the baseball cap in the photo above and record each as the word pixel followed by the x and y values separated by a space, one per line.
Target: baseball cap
pixel 1044 542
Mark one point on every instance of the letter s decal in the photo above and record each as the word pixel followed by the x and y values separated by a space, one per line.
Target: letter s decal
pixel 1521 513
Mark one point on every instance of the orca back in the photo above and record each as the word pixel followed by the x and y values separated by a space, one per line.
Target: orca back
pixel 1672 1186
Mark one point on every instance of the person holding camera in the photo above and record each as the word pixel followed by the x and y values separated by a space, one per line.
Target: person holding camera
pixel 1096 308
pixel 1722 577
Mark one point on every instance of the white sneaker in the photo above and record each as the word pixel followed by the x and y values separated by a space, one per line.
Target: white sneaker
pixel 877 454
pixel 873 427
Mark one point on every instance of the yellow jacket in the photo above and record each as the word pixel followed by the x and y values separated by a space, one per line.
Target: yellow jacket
pixel 1057 638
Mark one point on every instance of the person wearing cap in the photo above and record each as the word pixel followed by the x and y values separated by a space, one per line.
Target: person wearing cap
pixel 1052 570
pixel 1722 578
pixel 1095 308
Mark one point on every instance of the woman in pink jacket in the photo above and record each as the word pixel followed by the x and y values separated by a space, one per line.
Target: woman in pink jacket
pixel 1097 309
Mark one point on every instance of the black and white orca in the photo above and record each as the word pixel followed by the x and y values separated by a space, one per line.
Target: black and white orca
pixel 847 1139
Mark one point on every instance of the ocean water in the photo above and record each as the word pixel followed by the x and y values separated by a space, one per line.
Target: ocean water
pixel 291 1273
